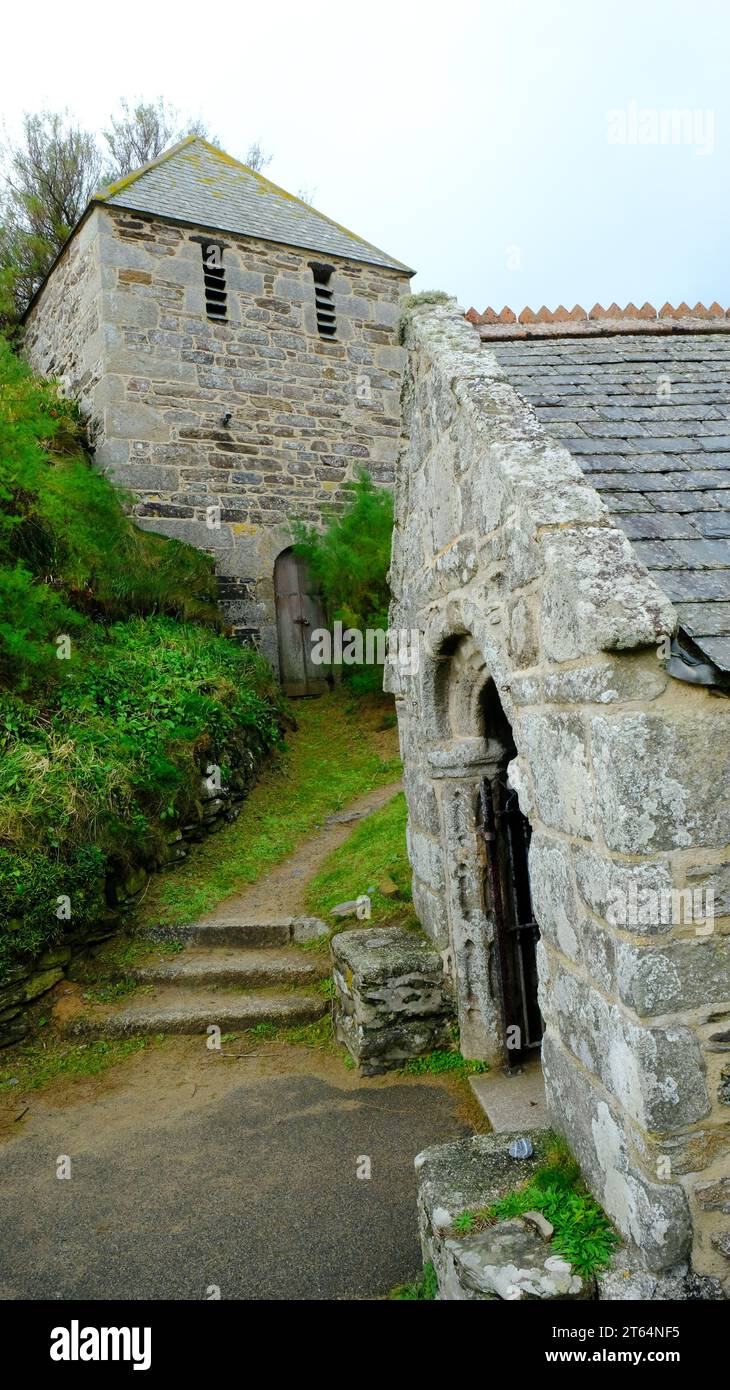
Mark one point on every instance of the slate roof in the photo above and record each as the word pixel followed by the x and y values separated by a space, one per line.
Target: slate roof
pixel 197 183
pixel 647 416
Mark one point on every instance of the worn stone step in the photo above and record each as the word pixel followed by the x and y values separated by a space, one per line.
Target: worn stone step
pixel 239 931
pixel 178 1010
pixel 227 965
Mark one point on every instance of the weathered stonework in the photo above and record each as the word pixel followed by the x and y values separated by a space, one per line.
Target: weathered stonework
pixel 391 1002
pixel 224 432
pixel 509 1261
pixel 539 635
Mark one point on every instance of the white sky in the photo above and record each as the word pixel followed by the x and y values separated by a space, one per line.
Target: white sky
pixel 469 139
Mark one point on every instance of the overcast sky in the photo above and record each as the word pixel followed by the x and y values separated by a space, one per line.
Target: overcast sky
pixel 512 151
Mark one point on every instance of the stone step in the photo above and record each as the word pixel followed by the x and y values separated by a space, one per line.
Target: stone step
pixel 178 1010
pixel 225 965
pixel 239 931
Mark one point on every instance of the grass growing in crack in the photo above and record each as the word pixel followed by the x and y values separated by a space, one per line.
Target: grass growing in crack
pixel 421 1290
pixel 317 1034
pixel 583 1234
pixel 316 943
pixel 436 1063
pixel 327 987
pixel 337 754
pixel 37 1065
pixel 108 992
pixel 375 850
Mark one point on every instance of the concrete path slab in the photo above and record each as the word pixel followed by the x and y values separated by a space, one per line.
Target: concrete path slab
pixel 512 1102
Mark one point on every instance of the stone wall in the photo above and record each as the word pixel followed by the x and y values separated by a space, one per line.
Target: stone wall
pixel 123 319
pixel 538 633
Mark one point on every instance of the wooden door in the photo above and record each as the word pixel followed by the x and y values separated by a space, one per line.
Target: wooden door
pixel 505 834
pixel 298 613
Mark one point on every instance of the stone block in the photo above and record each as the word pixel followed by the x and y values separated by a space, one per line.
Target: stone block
pixel 467 1175
pixel 510 1262
pixel 626 1281
pixel 430 908
pixel 662 781
pixel 553 895
pixel 392 1000
pixel 623 894
pixel 597 597
pixel 134 420
pixel 554 746
pixel 655 1073
pixel 426 856
pixel 652 1217
pixel 607 682
pixel 128 309
pixel 664 979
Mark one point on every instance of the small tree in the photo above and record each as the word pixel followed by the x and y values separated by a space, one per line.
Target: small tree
pixel 139 133
pixel 348 564
pixel 50 174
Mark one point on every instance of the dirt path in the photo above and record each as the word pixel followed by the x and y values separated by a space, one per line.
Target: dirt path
pixel 281 892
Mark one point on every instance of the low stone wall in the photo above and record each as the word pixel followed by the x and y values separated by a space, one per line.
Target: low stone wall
pixel 392 1000
pixel 514 1260
pixel 28 981
pixel 511 1260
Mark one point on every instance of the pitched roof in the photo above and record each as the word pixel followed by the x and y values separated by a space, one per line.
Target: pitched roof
pixel 197 183
pixel 647 417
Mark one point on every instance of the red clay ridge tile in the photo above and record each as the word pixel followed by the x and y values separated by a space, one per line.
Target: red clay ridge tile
pixel 561 322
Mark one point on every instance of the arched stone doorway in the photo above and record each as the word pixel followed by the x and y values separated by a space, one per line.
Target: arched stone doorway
pixel 298 613
pixel 485 838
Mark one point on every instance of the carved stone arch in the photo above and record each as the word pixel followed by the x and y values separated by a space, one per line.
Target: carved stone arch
pixel 470 747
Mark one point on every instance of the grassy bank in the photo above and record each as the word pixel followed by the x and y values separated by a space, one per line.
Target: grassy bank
pixel 373 857
pixel 342 749
pixel 118 690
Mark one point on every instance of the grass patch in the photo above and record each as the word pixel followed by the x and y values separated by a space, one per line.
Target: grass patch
pixel 336 755
pixel 422 1290
pixel 583 1234
pixel 38 1064
pixel 327 987
pixel 317 1034
pixel 375 850
pixel 436 1063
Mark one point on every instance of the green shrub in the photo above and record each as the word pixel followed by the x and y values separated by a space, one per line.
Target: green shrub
pixel 348 563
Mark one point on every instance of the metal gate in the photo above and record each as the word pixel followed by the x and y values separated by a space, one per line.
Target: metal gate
pixel 505 834
pixel 298 613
